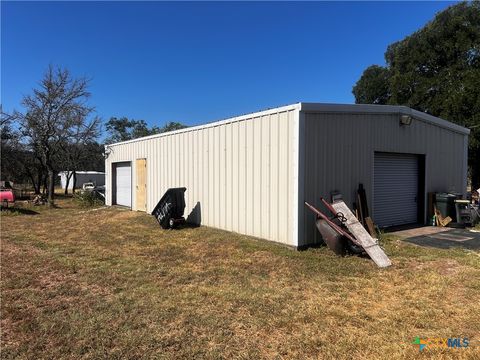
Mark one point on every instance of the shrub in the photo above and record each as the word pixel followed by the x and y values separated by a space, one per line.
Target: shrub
pixel 88 198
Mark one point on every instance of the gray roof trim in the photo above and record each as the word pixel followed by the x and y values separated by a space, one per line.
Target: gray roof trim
pixel 383 109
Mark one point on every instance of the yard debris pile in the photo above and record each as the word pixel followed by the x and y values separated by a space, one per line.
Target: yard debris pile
pixel 344 233
pixel 447 209
pixel 39 200
pixel 354 232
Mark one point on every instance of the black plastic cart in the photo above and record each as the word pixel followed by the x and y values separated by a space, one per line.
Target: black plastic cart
pixel 169 210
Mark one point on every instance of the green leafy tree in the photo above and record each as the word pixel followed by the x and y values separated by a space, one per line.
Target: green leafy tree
pixel 122 129
pixel 172 126
pixel 19 164
pixel 373 87
pixel 435 70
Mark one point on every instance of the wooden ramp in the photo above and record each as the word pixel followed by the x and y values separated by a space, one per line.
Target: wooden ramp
pixel 358 231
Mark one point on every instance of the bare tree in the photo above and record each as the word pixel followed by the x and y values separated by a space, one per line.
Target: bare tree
pixel 53 113
pixel 77 149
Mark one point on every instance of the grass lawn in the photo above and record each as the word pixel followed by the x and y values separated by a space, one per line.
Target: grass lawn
pixel 111 283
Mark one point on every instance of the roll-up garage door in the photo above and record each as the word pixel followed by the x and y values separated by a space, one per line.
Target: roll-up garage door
pixel 395 189
pixel 123 184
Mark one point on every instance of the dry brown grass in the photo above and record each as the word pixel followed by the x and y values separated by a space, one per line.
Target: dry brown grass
pixel 111 283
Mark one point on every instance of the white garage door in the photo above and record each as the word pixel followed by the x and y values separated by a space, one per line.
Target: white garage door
pixel 123 184
pixel 395 189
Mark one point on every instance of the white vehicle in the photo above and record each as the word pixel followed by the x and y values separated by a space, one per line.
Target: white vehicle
pixel 89 186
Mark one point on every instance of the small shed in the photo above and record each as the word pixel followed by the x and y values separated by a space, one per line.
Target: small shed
pixel 98 178
pixel 251 174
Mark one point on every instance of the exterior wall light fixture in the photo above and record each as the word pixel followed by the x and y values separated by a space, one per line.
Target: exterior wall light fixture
pixel 405 120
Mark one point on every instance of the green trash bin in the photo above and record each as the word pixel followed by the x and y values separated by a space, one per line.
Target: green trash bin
pixel 446 205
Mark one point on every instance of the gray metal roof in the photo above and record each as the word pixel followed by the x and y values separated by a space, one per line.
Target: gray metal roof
pixel 382 109
pixel 326 108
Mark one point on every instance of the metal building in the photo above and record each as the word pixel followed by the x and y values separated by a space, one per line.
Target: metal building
pixel 251 174
pixel 96 177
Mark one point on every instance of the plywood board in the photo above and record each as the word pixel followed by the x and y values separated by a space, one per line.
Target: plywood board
pixel 141 185
pixel 371 226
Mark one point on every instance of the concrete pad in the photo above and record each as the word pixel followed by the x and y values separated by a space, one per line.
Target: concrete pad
pixel 441 237
pixel 419 231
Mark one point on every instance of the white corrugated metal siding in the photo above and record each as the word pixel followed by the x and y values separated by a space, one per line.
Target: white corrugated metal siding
pixel 252 174
pixel 240 173
pixel 82 177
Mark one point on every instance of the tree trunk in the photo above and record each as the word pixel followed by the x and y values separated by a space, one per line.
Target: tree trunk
pixel 38 185
pixel 74 181
pixel 45 183
pixel 69 176
pixel 36 188
pixel 35 184
pixel 51 187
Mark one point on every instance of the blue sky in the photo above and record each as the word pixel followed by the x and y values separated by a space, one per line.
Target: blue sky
pixel 199 62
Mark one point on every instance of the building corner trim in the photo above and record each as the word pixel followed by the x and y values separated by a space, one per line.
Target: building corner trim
pixel 298 178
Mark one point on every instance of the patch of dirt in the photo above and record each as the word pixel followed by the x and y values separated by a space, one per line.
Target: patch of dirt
pixel 447 267
pixel 442 266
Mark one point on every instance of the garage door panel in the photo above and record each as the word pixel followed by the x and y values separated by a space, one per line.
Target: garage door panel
pixel 123 184
pixel 395 189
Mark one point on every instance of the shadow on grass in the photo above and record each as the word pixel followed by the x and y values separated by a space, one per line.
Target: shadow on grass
pixel 20 211
pixel 187 225
pixel 52 206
